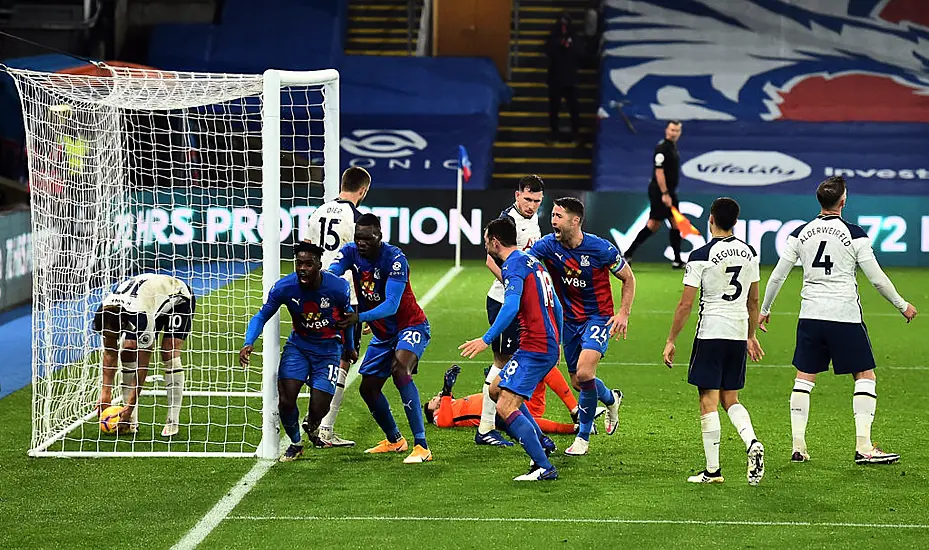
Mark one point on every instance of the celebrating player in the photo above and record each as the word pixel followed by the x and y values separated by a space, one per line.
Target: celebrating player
pixel 524 213
pixel 400 333
pixel 830 327
pixel 445 411
pixel 138 309
pixel 581 264
pixel 332 226
pixel 530 297
pixel 317 301
pixel 662 193
pixel 722 270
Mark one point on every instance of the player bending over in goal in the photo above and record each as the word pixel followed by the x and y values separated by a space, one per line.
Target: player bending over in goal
pixel 445 411
pixel 830 327
pixel 136 310
pixel 530 297
pixel 722 270
pixel 581 264
pixel 400 330
pixel 317 300
pixel 332 226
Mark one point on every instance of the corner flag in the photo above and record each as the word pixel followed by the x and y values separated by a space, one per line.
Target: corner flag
pixel 683 224
pixel 464 163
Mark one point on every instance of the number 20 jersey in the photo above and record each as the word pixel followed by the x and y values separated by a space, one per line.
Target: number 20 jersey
pixel 829 249
pixel 723 270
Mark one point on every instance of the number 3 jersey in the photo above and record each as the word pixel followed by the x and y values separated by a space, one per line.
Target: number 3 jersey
pixel 581 275
pixel 724 270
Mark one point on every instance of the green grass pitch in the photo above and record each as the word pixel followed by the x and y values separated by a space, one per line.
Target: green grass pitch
pixel 631 489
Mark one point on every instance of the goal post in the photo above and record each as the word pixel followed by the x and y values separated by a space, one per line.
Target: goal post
pixel 188 174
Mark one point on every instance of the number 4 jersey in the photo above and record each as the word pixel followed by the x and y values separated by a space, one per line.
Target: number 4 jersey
pixel 723 270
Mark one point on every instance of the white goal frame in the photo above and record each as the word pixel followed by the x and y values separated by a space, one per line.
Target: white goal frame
pixel 274 81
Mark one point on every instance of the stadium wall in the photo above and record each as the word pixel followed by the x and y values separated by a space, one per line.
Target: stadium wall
pixel 15 259
pixel 423 223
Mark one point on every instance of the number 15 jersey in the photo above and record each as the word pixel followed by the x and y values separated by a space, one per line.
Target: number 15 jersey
pixel 829 249
pixel 724 270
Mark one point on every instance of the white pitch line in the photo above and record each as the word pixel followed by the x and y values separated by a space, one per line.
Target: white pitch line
pixel 221 510
pixel 659 364
pixel 587 520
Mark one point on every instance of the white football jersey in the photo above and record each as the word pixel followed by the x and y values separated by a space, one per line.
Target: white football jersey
pixel 723 270
pixel 829 249
pixel 150 294
pixel 527 232
pixel 332 226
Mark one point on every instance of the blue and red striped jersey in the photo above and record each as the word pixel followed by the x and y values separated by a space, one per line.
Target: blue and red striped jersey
pixel 538 326
pixel 313 312
pixel 370 279
pixel 581 275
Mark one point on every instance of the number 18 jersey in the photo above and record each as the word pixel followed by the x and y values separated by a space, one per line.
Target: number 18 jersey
pixel 829 249
pixel 724 270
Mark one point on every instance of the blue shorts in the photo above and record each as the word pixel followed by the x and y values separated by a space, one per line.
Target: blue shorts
pixel 718 364
pixel 591 334
pixel 525 370
pixel 379 356
pixel 318 368
pixel 845 344
pixel 508 342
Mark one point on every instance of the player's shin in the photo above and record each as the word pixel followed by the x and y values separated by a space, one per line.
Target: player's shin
pixel 328 422
pixel 129 382
pixel 604 395
pixel 742 422
pixel 519 427
pixel 412 406
pixel 800 413
pixel 864 403
pixel 380 410
pixel 709 424
pixel 674 236
pixel 174 386
pixel 587 403
pixel 488 407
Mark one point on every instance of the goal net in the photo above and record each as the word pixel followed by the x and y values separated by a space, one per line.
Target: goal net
pixel 137 171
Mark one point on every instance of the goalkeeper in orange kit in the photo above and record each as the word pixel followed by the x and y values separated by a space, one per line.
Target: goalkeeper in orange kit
pixel 445 411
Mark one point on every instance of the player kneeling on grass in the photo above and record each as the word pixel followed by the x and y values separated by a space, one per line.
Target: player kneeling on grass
pixel 445 411
pixel 530 297
pixel 725 271
pixel 317 300
pixel 136 310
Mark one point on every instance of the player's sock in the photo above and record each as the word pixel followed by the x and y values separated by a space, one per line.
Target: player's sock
pixel 519 427
pixel 384 418
pixel 800 412
pixel 864 403
pixel 742 422
pixel 675 237
pixel 328 421
pixel 552 427
pixel 643 236
pixel 556 381
pixel 174 387
pixel 409 395
pixel 588 408
pixel 291 421
pixel 604 394
pixel 488 408
pixel 709 423
pixel 531 419
pixel 130 379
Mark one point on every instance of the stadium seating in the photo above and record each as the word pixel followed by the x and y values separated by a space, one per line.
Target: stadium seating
pixel 773 95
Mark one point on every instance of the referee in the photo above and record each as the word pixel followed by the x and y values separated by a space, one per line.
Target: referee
pixel 662 193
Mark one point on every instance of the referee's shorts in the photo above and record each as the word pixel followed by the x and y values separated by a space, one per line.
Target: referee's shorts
pixel 659 211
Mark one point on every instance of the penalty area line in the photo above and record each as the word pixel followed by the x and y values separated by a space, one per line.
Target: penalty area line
pixel 230 500
pixel 705 523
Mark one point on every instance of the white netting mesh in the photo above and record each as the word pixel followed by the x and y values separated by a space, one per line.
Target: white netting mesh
pixel 137 171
